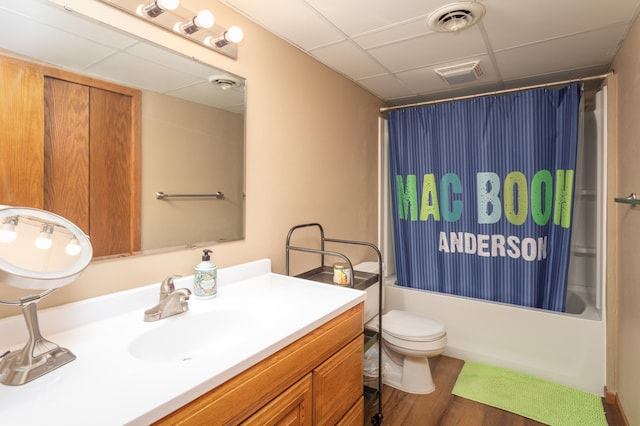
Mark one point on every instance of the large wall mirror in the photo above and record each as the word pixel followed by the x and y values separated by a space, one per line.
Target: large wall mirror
pixel 192 122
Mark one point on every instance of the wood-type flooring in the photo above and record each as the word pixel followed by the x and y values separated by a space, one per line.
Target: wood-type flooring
pixel 441 408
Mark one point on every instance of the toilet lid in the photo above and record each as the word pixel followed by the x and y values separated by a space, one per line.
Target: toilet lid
pixel 411 326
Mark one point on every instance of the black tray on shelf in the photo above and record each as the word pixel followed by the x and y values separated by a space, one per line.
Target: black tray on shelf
pixel 324 274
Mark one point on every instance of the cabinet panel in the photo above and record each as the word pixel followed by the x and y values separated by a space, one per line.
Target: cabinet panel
pixel 355 416
pixel 21 134
pixel 110 193
pixel 292 407
pixel 337 383
pixel 66 151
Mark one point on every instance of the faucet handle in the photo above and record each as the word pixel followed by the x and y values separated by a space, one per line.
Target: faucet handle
pixel 167 285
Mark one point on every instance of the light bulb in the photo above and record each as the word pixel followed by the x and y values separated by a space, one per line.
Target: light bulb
pixel 73 248
pixel 8 232
pixel 204 19
pixel 234 34
pixel 7 236
pixel 44 242
pixel 157 7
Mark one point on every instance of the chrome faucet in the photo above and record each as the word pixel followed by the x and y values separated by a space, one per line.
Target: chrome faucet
pixel 172 301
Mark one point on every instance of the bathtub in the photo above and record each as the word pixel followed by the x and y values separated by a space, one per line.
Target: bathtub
pixel 567 348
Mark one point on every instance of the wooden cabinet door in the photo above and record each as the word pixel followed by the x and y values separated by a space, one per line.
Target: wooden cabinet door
pixel 21 135
pixel 291 407
pixel 89 162
pixel 66 151
pixel 71 145
pixel 110 195
pixel 337 383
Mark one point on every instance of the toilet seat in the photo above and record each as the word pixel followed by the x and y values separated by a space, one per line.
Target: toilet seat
pixel 412 327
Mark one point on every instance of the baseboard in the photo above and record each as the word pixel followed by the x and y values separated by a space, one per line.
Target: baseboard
pixel 612 399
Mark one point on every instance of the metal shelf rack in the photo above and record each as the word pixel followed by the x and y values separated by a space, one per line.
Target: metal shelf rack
pixel 359 280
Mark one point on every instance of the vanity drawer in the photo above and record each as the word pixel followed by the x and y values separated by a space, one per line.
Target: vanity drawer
pixel 338 383
pixel 355 415
pixel 291 407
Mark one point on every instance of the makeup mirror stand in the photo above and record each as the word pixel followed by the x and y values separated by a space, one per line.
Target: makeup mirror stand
pixel 39 355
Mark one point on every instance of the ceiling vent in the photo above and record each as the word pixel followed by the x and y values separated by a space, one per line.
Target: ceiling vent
pixel 455 16
pixel 462 73
pixel 225 81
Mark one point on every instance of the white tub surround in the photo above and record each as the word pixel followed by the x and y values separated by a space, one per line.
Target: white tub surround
pixel 117 380
pixel 563 348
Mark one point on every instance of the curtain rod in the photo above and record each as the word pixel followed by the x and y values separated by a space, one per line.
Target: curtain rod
pixel 497 92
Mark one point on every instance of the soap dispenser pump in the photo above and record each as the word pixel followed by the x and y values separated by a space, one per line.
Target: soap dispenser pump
pixel 205 279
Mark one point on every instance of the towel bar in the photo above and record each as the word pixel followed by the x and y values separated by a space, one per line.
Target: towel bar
pixel 162 196
pixel 630 199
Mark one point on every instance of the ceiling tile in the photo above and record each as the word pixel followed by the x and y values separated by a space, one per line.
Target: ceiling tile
pixel 355 17
pixel 48 44
pixel 393 34
pixel 431 49
pixel 348 59
pixel 140 72
pixel 306 29
pixel 550 18
pixel 54 16
pixel 386 86
pixel 575 52
pixel 164 57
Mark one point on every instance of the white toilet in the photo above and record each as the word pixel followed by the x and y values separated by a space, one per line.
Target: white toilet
pixel 408 340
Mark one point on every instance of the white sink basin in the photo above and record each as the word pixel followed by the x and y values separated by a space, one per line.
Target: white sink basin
pixel 190 335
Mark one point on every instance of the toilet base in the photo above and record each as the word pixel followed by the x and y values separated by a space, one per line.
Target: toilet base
pixel 413 377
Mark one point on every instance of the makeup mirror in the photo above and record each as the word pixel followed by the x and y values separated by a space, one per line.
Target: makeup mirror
pixel 38 251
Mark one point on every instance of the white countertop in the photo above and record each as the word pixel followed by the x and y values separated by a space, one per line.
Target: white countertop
pixel 108 385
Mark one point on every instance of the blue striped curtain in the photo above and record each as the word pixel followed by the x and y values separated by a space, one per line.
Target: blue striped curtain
pixel 483 191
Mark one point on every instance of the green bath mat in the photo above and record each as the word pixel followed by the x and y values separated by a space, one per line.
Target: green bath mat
pixel 528 396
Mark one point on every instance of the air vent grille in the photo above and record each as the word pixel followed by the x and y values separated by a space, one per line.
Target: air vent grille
pixel 461 73
pixel 455 16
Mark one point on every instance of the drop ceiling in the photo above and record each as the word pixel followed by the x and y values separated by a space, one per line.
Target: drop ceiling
pixel 386 47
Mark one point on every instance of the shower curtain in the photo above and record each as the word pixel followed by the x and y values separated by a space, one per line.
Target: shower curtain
pixel 483 192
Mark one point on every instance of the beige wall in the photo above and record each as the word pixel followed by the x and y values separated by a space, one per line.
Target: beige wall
pixel 189 148
pixel 627 371
pixel 311 155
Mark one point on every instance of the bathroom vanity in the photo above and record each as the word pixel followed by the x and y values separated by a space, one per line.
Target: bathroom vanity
pixel 317 377
pixel 268 348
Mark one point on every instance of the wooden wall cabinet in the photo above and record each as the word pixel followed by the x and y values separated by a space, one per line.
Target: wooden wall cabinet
pixel 316 380
pixel 21 135
pixel 71 145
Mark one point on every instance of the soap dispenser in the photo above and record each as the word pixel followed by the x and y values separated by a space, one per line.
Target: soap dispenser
pixel 205 279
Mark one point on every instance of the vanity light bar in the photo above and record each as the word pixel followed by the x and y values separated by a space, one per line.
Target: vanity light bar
pixel 8 234
pixel 199 26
